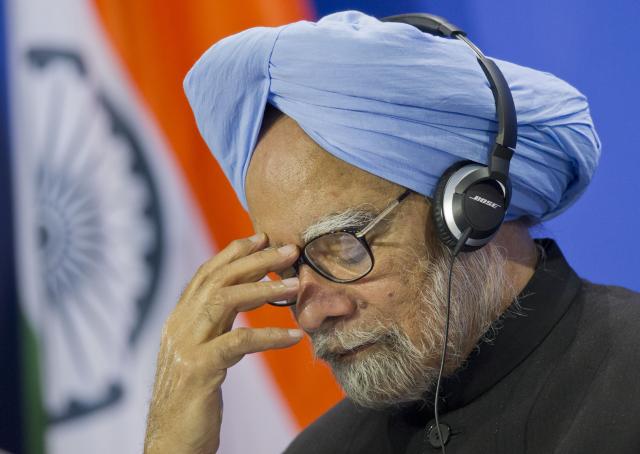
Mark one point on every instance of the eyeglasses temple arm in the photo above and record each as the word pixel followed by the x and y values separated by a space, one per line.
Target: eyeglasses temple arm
pixel 386 211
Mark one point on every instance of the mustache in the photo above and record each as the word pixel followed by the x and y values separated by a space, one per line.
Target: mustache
pixel 332 343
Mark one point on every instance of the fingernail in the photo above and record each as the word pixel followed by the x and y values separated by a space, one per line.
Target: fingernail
pixel 291 282
pixel 296 333
pixel 256 238
pixel 287 250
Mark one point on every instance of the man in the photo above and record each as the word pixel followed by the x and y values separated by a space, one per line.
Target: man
pixel 538 360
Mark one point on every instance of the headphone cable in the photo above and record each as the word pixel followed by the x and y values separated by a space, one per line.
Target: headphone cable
pixel 454 254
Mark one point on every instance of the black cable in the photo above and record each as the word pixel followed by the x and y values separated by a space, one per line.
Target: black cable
pixel 454 254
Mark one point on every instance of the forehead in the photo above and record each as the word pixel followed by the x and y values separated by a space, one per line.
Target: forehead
pixel 292 183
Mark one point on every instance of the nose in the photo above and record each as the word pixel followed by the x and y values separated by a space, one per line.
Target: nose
pixel 320 299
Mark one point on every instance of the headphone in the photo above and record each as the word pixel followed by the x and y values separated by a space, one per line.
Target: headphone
pixel 471 199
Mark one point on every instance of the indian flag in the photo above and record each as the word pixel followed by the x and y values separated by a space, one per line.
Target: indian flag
pixel 116 202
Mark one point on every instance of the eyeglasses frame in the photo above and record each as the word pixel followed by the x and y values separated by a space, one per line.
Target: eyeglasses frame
pixel 359 234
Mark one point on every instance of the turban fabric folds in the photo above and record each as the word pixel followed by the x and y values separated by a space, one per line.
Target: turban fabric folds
pixel 398 103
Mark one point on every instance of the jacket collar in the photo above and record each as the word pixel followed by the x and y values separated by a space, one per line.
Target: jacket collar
pixel 543 302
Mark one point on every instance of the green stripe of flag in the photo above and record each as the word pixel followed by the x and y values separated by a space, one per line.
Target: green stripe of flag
pixel 34 421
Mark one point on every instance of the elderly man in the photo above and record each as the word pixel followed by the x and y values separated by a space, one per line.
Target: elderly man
pixel 334 136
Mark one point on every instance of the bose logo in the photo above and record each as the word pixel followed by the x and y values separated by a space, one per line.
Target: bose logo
pixel 482 200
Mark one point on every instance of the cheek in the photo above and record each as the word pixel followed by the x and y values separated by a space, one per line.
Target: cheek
pixel 391 291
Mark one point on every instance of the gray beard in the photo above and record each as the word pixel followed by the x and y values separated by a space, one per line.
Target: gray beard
pixel 397 369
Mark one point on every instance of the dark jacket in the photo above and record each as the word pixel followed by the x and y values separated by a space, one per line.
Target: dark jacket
pixel 564 377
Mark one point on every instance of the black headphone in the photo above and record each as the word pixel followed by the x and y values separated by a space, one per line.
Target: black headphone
pixel 471 199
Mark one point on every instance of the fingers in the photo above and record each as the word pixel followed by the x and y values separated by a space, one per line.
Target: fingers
pixel 244 260
pixel 217 293
pixel 221 309
pixel 245 297
pixel 228 349
pixel 237 249
pixel 234 250
pixel 255 266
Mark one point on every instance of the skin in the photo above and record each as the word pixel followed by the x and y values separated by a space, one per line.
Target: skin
pixel 291 183
pixel 198 344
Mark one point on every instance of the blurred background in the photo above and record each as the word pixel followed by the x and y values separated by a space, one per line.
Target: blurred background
pixel 109 200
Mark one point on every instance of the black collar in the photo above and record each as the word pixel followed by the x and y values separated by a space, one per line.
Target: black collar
pixel 543 302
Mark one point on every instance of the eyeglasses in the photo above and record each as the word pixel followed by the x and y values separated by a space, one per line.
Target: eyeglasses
pixel 342 256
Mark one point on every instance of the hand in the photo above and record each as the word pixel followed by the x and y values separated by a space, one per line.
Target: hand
pixel 198 344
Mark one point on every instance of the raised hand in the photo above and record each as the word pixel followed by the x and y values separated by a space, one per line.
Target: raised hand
pixel 198 344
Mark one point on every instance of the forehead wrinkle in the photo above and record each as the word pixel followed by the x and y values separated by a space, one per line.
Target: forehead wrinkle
pixel 292 183
pixel 286 163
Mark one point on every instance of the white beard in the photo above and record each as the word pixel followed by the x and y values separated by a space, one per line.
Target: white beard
pixel 397 369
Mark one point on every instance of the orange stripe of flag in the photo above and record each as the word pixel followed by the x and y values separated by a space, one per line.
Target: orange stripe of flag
pixel 157 43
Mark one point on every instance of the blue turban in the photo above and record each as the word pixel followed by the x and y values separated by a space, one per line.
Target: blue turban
pixel 400 104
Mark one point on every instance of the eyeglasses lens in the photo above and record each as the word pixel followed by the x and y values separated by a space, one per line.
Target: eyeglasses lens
pixel 340 255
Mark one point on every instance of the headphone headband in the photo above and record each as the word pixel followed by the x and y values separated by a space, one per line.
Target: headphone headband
pixel 506 138
pixel 471 200
pixel 428 23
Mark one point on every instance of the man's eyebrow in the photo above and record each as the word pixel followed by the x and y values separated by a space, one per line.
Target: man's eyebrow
pixel 351 217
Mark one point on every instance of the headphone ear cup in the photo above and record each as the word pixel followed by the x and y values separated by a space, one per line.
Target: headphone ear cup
pixel 444 234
